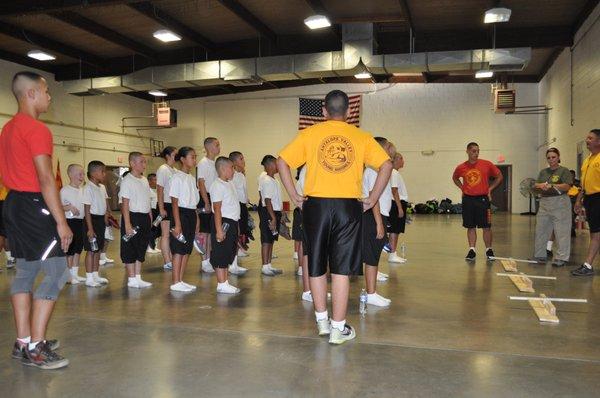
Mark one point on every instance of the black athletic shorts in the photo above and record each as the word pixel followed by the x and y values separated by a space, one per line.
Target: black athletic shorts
pixel 206 219
pixel 397 225
pixel 223 253
pixel 266 235
pixel 187 217
pixel 297 234
pixel 2 230
pixel 99 227
pixel 332 231
pixel 135 248
pixel 76 246
pixel 169 209
pixel 592 211
pixel 30 226
pixel 476 212
pixel 243 219
pixel 371 246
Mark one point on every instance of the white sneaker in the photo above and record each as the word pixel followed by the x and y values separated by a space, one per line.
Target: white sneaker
pixel 206 267
pixel 377 300
pixel 108 260
pixel 80 278
pixel 168 266
pixel 394 258
pixel 381 277
pixel 324 326
pixel 266 270
pixel 299 271
pixel 102 262
pixel 242 253
pixel 226 288
pixel 193 287
pixel 180 287
pixel 295 257
pixel 92 283
pixel 383 298
pixel 276 271
pixel 143 284
pixel 101 280
pixel 74 280
pixel 133 283
pixel 237 270
pixel 307 296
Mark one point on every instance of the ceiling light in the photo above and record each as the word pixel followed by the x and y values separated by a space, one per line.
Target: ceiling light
pixel 484 74
pixel 40 55
pixel 495 15
pixel 157 93
pixel 166 35
pixel 317 22
pixel 362 72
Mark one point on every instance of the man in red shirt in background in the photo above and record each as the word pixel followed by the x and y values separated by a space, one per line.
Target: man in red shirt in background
pixel 35 221
pixel 476 189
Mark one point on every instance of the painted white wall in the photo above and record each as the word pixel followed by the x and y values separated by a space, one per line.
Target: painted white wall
pixel 416 117
pixel 566 126
pixel 98 112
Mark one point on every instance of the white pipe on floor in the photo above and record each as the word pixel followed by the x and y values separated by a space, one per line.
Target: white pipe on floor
pixel 564 300
pixel 519 260
pixel 528 276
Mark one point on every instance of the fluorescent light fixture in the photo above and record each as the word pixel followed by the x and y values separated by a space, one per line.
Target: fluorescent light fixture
pixel 40 55
pixel 495 15
pixel 157 93
pixel 484 74
pixel 166 36
pixel 317 22
pixel 363 75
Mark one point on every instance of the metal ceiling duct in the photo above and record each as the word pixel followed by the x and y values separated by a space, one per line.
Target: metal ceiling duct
pixel 110 85
pixel 141 80
pixel 508 59
pixel 276 68
pixel 204 73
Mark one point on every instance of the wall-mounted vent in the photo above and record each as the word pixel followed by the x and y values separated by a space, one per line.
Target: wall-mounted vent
pixel 504 100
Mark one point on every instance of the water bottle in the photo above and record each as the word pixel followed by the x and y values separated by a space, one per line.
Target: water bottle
pixel 127 237
pixel 225 228
pixel 362 307
pixel 157 221
pixel 69 214
pixel 180 237
pixel 387 248
pixel 93 244
pixel 403 250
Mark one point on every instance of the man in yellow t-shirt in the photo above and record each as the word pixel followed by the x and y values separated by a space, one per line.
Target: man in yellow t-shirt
pixel 588 200
pixel 335 154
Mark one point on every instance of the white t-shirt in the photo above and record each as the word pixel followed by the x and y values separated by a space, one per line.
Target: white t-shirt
pixel 224 192
pixel 184 188
pixel 163 178
pixel 70 195
pixel 207 171
pixel 95 196
pixel 239 180
pixel 137 190
pixel 385 200
pixel 153 198
pixel 396 181
pixel 300 182
pixel 270 189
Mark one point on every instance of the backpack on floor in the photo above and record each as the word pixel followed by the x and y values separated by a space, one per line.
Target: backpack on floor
pixel 445 206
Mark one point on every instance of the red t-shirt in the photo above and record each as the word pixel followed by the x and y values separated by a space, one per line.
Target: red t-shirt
pixel 475 177
pixel 22 139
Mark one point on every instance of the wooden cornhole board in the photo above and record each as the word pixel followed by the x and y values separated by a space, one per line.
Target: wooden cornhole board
pixel 523 283
pixel 509 265
pixel 544 309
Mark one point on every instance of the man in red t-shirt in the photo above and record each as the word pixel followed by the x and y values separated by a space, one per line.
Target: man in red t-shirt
pixel 35 221
pixel 472 177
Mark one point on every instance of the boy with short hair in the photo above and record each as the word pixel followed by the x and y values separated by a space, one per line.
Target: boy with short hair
pixel 207 174
pixel 136 220
pixel 226 210
pixel 71 197
pixel 95 201
pixel 269 213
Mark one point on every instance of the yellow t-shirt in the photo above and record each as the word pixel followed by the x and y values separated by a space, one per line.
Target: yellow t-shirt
pixel 335 154
pixel 590 174
pixel 3 190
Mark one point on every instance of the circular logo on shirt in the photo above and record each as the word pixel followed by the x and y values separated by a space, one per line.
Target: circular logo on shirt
pixel 336 153
pixel 473 177
pixel 554 179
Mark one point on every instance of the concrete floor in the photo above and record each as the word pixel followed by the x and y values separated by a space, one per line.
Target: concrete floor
pixel 451 331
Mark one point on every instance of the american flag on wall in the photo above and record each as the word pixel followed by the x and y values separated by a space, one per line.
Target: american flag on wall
pixel 311 112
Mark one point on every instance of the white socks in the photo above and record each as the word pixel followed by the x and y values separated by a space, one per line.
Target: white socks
pixel 75 271
pixel 89 276
pixel 549 245
pixel 338 325
pixel 95 275
pixel 32 345
pixel 589 266
pixel 321 316
pixel 472 248
pixel 103 256
pixel 25 340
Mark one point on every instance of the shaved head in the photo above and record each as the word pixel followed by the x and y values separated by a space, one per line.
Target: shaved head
pixel 24 81
pixel 31 92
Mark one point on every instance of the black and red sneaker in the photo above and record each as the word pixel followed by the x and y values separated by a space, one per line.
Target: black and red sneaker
pixel 43 357
pixel 19 348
